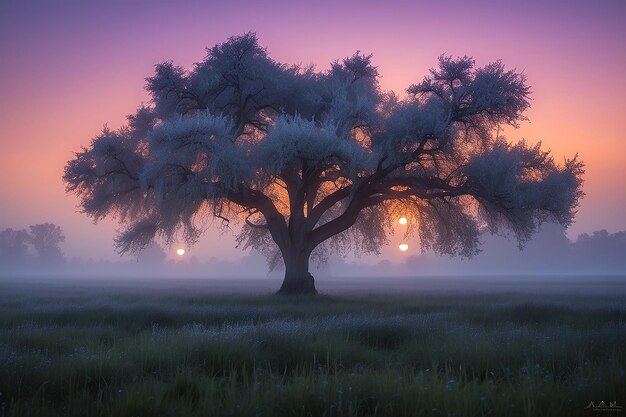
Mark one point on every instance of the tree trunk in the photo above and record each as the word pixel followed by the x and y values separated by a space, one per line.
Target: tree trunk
pixel 298 279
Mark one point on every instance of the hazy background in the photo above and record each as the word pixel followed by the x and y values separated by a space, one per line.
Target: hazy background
pixel 549 257
pixel 68 68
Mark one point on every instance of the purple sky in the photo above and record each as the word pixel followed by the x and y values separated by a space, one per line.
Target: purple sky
pixel 68 68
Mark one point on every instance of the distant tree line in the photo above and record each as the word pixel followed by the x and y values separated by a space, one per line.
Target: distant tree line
pixel 37 246
pixel 607 249
pixel 549 252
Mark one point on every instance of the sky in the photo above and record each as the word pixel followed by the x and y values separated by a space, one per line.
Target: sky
pixel 68 68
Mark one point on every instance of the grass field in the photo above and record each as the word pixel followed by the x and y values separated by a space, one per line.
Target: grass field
pixel 177 349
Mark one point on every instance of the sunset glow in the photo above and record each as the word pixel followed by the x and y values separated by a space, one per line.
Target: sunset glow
pixel 180 252
pixel 98 62
pixel 404 247
pixel 402 220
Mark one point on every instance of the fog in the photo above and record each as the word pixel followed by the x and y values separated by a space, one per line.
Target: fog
pixel 550 255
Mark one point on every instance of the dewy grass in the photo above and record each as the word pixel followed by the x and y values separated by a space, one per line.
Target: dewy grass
pixel 85 354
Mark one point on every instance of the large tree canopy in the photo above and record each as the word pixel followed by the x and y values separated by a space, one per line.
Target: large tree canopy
pixel 311 161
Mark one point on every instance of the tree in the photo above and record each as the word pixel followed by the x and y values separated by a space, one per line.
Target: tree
pixel 317 161
pixel 152 255
pixel 601 251
pixel 13 246
pixel 45 238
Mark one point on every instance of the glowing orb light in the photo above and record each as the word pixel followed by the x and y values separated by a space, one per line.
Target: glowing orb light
pixel 402 220
pixel 404 247
pixel 180 252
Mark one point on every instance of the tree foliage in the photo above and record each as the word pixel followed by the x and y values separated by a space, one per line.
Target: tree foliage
pixel 45 238
pixel 152 255
pixel 13 246
pixel 323 160
pixel 40 245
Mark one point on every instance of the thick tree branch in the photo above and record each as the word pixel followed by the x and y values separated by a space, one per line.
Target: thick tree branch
pixel 326 204
pixel 249 198
pixel 372 195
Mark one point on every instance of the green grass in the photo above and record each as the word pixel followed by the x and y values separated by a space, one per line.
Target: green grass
pixel 92 351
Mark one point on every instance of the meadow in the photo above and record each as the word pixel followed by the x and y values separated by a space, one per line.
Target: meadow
pixel 178 348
